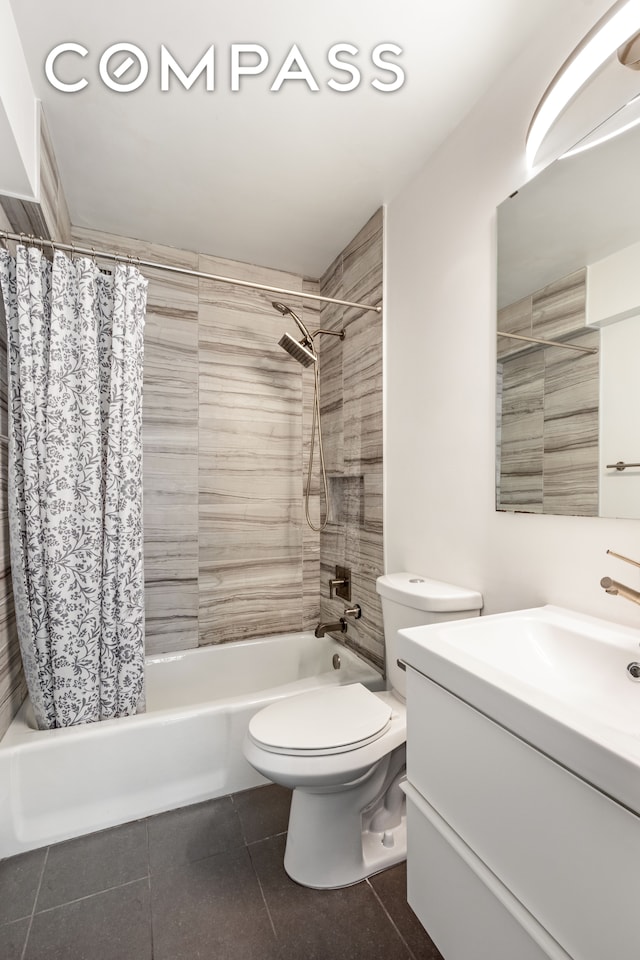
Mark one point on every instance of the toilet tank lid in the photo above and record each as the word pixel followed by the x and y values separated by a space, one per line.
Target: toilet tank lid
pixel 422 593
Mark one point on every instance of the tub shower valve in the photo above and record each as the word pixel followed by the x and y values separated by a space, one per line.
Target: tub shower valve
pixel 340 585
pixel 355 611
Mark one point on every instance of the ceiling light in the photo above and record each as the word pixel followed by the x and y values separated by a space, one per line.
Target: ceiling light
pixel 614 30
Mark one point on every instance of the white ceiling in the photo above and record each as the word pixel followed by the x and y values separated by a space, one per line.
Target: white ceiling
pixel 281 179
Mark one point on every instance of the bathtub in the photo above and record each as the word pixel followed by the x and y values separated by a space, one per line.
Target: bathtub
pixel 187 747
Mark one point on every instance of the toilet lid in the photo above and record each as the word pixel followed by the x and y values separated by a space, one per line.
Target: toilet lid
pixel 332 720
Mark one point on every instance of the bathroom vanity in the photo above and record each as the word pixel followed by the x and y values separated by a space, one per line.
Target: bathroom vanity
pixel 523 792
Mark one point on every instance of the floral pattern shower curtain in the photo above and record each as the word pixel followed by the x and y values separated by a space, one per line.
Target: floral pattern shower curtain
pixel 75 352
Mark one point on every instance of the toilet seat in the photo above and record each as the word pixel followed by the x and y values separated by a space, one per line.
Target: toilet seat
pixel 321 722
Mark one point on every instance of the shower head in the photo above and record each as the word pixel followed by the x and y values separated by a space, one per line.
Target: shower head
pixel 303 352
pixel 299 351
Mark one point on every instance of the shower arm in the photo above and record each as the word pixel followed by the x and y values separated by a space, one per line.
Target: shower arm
pixel 331 333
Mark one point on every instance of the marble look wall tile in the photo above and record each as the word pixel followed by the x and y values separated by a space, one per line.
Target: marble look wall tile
pixel 251 598
pixel 171 615
pixel 374 501
pixel 311 567
pixel 331 280
pixel 243 373
pixel 170 442
pixel 516 318
pixel 251 272
pixel 572 380
pixel 362 263
pixel 352 422
pixel 522 433
pixel 13 688
pixel 24 216
pixel 250 460
pixel 257 530
pixel 170 422
pixel 331 390
pixel 143 249
pixel 559 308
pixel 571 483
pixel 571 430
pixel 362 405
pixel 362 275
pixel 311 317
pixel 549 431
pixel 171 572
pixel 251 410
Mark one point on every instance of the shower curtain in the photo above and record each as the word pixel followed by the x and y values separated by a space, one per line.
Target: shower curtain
pixel 75 352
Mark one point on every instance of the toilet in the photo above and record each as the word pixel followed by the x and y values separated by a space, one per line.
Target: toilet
pixel 341 750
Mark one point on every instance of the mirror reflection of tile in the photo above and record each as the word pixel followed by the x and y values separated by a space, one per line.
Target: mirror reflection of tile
pixel 547 445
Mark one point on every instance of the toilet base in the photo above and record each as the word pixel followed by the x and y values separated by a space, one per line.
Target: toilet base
pixel 337 838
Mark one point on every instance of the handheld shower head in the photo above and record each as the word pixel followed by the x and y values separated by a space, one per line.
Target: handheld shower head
pixel 303 352
pixel 299 351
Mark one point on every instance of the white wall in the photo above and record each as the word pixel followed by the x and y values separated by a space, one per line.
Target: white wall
pixel 19 117
pixel 440 518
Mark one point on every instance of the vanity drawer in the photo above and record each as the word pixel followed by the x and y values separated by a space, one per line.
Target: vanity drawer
pixel 570 854
pixel 467 911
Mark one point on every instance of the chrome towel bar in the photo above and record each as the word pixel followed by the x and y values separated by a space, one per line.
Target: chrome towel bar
pixel 621 465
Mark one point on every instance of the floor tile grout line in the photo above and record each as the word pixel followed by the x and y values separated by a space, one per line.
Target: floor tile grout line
pixel 232 797
pixel 35 902
pixel 390 919
pixel 96 893
pixel 264 899
pixel 272 836
pixel 146 827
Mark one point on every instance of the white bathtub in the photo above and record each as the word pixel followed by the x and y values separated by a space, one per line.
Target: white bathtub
pixel 187 747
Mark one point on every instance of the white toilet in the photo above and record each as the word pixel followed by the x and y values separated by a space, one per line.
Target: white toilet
pixel 342 751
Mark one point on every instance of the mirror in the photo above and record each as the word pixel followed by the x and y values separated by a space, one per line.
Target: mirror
pixel 569 272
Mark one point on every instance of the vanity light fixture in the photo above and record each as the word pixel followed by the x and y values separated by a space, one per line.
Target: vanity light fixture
pixel 615 32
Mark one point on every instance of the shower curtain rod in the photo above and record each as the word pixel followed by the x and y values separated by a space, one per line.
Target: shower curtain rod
pixel 548 343
pixel 124 258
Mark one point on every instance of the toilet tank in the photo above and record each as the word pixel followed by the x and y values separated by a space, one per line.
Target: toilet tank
pixel 410 600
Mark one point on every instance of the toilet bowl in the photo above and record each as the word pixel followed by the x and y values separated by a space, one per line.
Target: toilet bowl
pixel 342 751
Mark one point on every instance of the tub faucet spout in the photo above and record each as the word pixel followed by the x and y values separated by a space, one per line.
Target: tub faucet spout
pixel 323 628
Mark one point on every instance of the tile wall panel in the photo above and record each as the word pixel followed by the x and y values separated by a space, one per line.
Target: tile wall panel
pixel 571 403
pixel 516 318
pixel 549 416
pixel 522 434
pixel 258 562
pixel 311 315
pixel 170 442
pixel 226 427
pixel 559 308
pixel 351 389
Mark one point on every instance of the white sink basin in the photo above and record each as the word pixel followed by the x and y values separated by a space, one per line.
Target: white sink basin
pixel 555 678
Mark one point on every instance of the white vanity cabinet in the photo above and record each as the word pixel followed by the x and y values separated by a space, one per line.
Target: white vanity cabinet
pixel 511 855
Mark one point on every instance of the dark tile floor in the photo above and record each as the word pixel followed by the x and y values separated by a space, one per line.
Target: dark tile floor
pixel 204 882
